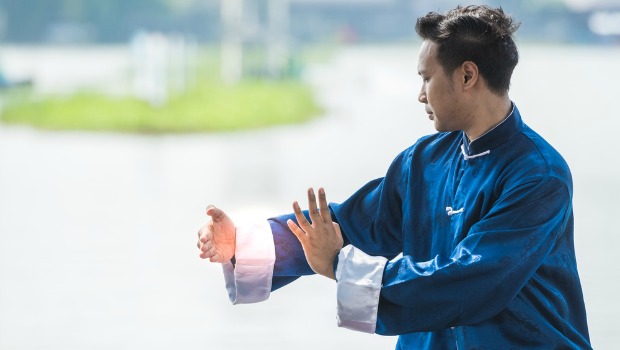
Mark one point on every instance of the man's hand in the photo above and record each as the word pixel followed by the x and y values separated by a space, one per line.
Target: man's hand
pixel 320 240
pixel 216 239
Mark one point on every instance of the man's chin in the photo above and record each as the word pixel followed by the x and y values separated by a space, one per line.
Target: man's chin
pixel 438 126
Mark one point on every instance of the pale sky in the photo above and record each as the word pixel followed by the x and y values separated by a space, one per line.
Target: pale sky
pixel 586 4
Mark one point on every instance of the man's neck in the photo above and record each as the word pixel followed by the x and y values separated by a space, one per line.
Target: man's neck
pixel 489 114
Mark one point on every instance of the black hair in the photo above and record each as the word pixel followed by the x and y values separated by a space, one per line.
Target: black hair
pixel 476 33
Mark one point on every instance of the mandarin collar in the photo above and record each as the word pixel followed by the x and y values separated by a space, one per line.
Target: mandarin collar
pixel 498 135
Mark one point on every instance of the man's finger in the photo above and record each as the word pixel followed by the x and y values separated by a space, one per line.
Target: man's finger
pixel 312 208
pixel 215 258
pixel 200 237
pixel 301 235
pixel 203 234
pixel 205 247
pixel 207 251
pixel 301 218
pixel 325 214
pixel 206 236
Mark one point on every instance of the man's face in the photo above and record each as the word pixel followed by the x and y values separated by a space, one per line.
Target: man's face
pixel 438 94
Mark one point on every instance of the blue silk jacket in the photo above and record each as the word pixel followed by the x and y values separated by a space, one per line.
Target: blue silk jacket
pixel 486 235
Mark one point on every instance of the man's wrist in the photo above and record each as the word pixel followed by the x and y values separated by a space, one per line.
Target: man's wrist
pixel 330 268
pixel 335 266
pixel 329 273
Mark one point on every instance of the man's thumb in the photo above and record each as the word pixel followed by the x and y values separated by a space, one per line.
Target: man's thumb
pixel 215 213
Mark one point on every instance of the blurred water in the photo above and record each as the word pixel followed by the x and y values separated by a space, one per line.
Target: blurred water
pixel 97 231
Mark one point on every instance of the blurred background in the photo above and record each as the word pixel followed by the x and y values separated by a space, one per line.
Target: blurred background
pixel 121 120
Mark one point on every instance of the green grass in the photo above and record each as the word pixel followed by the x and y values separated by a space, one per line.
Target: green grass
pixel 209 108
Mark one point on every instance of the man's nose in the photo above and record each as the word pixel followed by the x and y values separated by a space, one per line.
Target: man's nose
pixel 422 97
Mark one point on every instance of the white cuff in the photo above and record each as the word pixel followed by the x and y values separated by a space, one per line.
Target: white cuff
pixel 249 280
pixel 359 277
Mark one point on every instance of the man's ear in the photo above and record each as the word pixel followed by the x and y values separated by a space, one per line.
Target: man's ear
pixel 469 73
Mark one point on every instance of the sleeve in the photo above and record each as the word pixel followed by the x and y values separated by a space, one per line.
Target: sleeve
pixel 249 279
pixel 372 218
pixel 359 278
pixel 268 256
pixel 484 272
pixel 290 262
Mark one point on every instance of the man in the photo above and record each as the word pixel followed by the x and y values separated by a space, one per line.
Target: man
pixel 466 243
